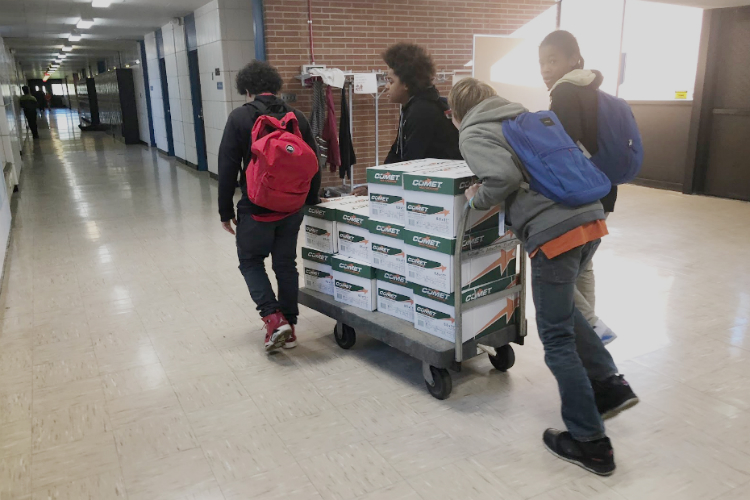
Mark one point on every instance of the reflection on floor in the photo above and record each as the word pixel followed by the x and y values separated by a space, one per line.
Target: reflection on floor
pixel 131 362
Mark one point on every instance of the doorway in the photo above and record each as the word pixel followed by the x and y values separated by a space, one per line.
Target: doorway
pixel 724 169
pixel 167 110
pixel 197 98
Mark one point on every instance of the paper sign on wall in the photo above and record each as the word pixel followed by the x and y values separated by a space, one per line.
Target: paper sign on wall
pixel 365 83
pixel 681 94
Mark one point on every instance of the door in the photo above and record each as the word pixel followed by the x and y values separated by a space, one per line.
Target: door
pixel 728 169
pixel 167 111
pixel 195 93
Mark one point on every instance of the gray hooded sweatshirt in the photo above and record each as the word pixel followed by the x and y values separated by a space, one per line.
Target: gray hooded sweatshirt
pixel 533 218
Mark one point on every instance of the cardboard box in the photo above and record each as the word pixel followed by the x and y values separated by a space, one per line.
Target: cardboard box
pixel 354 283
pixel 317 270
pixel 387 247
pixel 434 198
pixel 395 295
pixel 430 260
pixel 319 223
pixel 352 232
pixel 435 312
pixel 385 187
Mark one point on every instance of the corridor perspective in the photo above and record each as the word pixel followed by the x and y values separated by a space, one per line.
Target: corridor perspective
pixel 132 363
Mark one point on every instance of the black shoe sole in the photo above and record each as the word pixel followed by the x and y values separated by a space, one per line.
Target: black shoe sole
pixel 579 464
pixel 616 411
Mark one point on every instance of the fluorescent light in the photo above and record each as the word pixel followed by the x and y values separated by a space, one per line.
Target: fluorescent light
pixel 85 24
pixel 67 48
pixel 101 4
pixel 62 55
pixel 74 37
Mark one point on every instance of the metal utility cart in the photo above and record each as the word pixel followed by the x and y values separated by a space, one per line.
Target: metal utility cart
pixel 437 355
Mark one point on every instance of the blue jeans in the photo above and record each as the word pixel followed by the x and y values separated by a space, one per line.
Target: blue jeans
pixel 573 352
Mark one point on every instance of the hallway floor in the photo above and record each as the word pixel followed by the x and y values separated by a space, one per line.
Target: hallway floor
pixel 132 364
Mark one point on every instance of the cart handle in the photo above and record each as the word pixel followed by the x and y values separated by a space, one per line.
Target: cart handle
pixel 457 288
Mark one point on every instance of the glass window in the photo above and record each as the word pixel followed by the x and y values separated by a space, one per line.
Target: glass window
pixel 660 46
pixel 57 89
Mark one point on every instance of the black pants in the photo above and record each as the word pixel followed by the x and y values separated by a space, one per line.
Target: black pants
pixel 255 241
pixel 31 119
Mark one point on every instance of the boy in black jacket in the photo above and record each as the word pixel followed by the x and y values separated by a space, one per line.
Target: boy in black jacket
pixel 424 130
pixel 261 231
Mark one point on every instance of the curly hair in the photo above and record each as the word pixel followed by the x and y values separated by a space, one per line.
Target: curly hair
pixel 258 77
pixel 412 64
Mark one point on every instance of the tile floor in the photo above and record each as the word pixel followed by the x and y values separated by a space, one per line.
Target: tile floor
pixel 131 361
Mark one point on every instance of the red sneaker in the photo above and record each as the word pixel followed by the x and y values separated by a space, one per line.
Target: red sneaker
pixel 291 342
pixel 278 330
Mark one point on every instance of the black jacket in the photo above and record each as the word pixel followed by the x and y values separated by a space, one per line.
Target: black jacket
pixel 578 110
pixel 425 131
pixel 234 155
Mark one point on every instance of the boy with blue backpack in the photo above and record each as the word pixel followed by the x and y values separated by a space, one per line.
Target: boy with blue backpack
pixel 594 120
pixel 551 192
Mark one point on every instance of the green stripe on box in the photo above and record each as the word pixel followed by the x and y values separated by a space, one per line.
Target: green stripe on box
pixel 316 256
pixel 430 242
pixel 353 268
pixel 390 277
pixel 432 294
pixel 351 218
pixel 436 184
pixel 431 313
pixel 384 198
pixel 320 213
pixel 386 229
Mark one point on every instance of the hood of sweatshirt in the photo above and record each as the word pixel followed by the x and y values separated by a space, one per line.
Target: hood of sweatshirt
pixel 494 109
pixel 582 78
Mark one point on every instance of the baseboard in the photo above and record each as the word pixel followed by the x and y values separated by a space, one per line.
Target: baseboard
pixel 670 186
pixel 213 175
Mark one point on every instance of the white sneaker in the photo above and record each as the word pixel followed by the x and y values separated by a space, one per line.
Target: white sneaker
pixel 604 332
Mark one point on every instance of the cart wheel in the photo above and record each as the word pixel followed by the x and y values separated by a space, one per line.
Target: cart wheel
pixel 346 338
pixel 441 384
pixel 505 358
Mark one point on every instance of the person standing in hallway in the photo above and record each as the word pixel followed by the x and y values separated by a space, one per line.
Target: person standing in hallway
pixel 573 98
pixel 424 129
pixel 29 106
pixel 561 240
pixel 261 232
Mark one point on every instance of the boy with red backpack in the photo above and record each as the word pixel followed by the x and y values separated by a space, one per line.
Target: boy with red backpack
pixel 270 147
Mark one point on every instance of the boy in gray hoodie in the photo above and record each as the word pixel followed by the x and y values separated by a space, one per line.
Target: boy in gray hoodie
pixel 561 241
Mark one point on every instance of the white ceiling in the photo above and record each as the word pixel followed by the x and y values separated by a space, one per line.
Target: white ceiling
pixel 37 29
pixel 707 4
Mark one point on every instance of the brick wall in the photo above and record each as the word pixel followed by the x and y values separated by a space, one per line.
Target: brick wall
pixel 351 35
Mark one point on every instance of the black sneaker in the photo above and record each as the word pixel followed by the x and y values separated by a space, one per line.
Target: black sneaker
pixel 613 396
pixel 594 456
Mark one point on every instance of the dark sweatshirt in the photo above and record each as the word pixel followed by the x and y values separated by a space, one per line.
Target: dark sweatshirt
pixel 577 107
pixel 234 155
pixel 425 131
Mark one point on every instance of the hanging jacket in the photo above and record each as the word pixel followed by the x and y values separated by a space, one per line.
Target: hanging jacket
pixel 318 120
pixel 575 102
pixel 330 134
pixel 346 147
pixel 424 130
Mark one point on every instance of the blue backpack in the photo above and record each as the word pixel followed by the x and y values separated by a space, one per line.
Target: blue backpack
pixel 557 167
pixel 620 152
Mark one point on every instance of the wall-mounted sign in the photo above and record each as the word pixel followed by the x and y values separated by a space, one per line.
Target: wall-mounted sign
pixel 220 85
pixel 680 94
pixel 217 71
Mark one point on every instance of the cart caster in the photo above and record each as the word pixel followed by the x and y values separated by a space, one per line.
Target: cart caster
pixel 504 359
pixel 346 338
pixel 438 381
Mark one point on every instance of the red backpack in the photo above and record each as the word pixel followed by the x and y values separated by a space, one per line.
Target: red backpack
pixel 282 164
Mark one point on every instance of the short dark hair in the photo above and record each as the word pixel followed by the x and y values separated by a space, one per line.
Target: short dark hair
pixel 25 89
pixel 412 65
pixel 258 77
pixel 567 43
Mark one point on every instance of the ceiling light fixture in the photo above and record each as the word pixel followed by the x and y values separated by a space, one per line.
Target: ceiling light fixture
pixel 74 37
pixel 101 4
pixel 85 23
pixel 67 48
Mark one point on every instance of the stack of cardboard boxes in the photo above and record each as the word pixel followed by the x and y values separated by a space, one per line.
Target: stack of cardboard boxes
pixel 394 250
